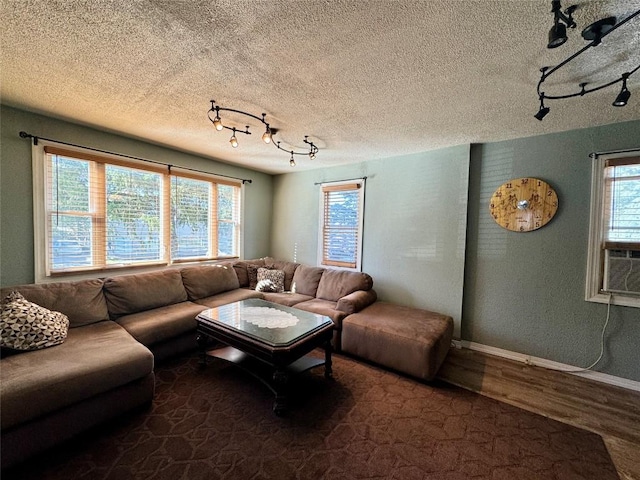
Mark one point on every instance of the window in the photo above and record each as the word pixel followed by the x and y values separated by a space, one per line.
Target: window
pixel 614 245
pixel 105 212
pixel 342 207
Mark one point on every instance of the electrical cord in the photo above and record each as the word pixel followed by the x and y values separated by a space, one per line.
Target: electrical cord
pixel 604 329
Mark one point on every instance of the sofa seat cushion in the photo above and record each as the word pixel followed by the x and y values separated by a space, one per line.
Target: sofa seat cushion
pixel 323 307
pixel 207 280
pixel 288 299
pixel 83 302
pixel 144 291
pixel 229 297
pixel 163 323
pixel 335 284
pixel 94 359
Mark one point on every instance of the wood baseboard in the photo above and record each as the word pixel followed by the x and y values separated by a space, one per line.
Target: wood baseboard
pixel 610 411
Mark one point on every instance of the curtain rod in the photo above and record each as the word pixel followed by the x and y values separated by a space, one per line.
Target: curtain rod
pixel 35 142
pixel 347 180
pixel 629 150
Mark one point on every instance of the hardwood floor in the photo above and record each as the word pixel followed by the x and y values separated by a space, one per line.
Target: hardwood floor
pixel 610 411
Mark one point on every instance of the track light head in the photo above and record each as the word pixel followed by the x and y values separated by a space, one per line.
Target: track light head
pixel 292 162
pixel 557 35
pixel 622 98
pixel 217 122
pixel 266 136
pixel 233 140
pixel 542 113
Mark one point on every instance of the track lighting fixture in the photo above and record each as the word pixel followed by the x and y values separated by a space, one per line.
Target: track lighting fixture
pixel 267 136
pixel 558 33
pixel 623 97
pixel 543 110
pixel 593 33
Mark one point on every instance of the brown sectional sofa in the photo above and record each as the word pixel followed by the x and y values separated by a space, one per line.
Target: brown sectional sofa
pixel 120 325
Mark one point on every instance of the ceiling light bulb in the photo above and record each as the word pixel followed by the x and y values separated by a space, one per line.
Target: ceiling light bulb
pixel 312 156
pixel 292 162
pixel 217 123
pixel 233 140
pixel 266 136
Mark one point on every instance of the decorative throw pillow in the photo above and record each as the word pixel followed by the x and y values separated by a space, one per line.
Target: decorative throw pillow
pixel 252 273
pixel 266 286
pixel 276 276
pixel 27 326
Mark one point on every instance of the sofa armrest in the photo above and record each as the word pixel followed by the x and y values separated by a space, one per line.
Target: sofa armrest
pixel 356 301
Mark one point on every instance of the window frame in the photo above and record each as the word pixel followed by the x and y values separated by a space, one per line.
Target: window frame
pixel 321 236
pixel 596 252
pixel 41 229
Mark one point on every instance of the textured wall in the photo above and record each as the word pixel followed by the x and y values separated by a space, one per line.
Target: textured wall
pixel 414 224
pixel 524 292
pixel 16 205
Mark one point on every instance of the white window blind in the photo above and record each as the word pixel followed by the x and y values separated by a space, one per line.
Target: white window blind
pixel 622 203
pixel 104 213
pixel 341 236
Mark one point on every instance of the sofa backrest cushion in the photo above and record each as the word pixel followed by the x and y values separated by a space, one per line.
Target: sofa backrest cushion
pixel 207 280
pixel 241 270
pixel 289 269
pixel 306 280
pixel 335 284
pixel 135 293
pixel 83 302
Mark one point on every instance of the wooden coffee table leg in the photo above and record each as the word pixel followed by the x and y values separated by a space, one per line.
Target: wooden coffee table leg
pixel 328 371
pixel 280 384
pixel 201 340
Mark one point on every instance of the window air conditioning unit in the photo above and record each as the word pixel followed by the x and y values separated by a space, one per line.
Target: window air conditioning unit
pixel 622 272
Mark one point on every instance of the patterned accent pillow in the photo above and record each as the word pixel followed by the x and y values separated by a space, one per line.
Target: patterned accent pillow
pixel 26 326
pixel 252 273
pixel 266 286
pixel 276 276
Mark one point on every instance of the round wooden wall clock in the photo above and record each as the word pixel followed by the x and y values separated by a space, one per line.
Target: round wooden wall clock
pixel 523 204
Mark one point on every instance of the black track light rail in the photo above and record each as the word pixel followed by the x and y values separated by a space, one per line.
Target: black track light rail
pixel 547 71
pixel 313 149
pixel 594 32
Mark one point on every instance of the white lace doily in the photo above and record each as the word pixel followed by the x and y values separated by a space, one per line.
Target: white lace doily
pixel 268 317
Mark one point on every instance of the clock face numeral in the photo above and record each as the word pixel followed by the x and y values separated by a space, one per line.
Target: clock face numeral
pixel 523 204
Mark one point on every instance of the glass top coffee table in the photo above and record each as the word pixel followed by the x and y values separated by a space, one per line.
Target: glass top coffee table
pixel 269 341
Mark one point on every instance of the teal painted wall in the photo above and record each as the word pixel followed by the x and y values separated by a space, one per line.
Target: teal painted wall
pixel 16 204
pixel 524 292
pixel 414 224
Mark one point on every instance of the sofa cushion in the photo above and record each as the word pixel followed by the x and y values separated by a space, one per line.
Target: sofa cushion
pixel 136 293
pixel 335 284
pixel 289 269
pixel 27 326
pixel 286 298
pixel 276 277
pixel 323 307
pixel 241 270
pixel 162 323
pixel 83 301
pixel 229 297
pixel 207 280
pixel 306 280
pixel 94 359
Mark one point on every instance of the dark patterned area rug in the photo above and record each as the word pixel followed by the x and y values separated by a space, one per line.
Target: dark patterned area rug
pixel 217 423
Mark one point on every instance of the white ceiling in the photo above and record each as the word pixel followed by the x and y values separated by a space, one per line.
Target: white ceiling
pixel 364 79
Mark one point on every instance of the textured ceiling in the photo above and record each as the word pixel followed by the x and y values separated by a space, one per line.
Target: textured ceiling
pixel 364 79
